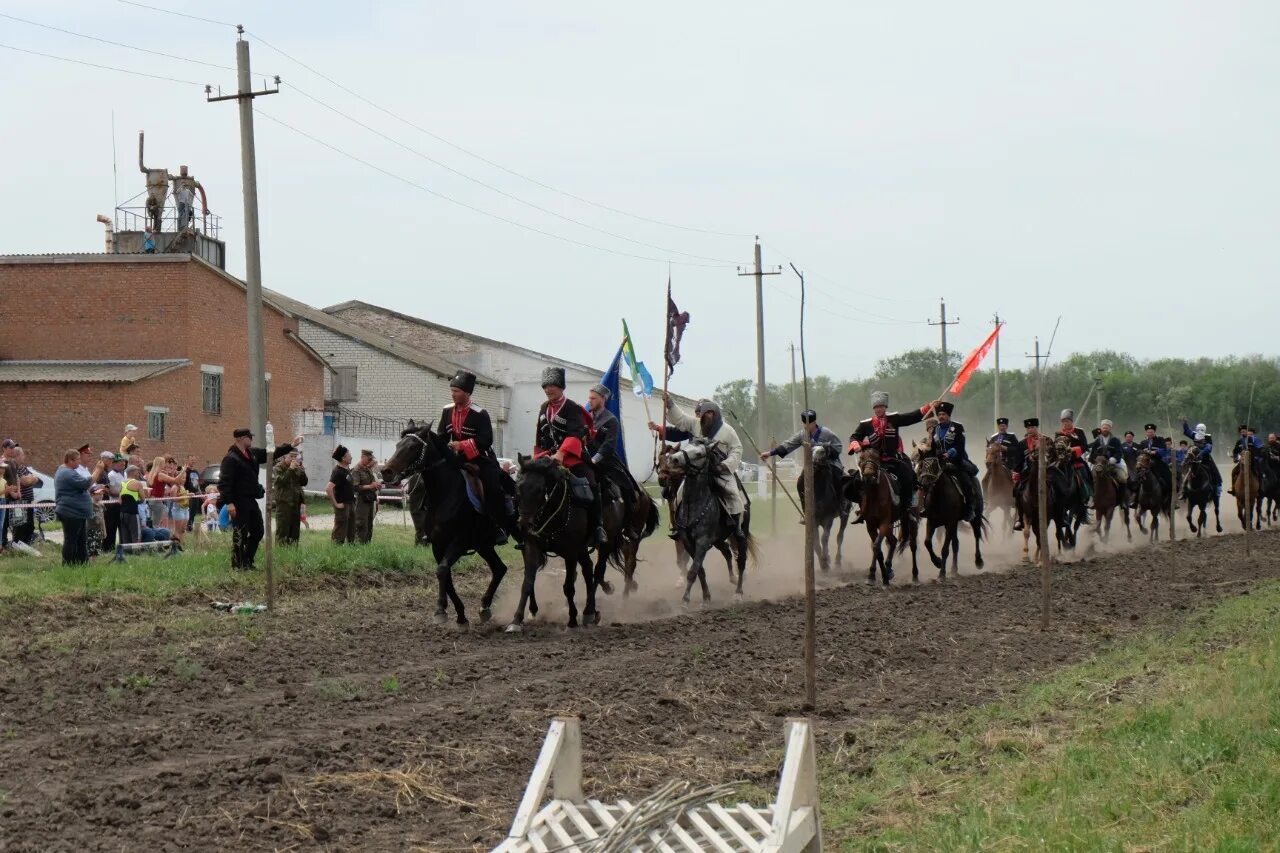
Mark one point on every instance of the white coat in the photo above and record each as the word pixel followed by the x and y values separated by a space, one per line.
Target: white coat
pixel 726 439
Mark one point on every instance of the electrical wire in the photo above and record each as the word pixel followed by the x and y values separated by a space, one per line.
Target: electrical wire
pixel 786 256
pixel 468 206
pixel 501 191
pixel 116 43
pixel 100 66
pixel 172 12
pixel 482 158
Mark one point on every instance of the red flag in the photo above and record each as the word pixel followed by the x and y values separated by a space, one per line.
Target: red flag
pixel 971 363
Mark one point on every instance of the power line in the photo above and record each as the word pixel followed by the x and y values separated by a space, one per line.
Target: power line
pixel 782 291
pixel 775 247
pixel 484 159
pixel 103 67
pixel 471 207
pixel 116 43
pixel 502 192
pixel 179 14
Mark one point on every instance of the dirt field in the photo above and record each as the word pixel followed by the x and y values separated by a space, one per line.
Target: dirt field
pixel 349 721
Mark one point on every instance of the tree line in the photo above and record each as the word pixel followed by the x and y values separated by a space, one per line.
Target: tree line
pixel 1222 393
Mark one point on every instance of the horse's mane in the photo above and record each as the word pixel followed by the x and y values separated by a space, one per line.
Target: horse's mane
pixel 544 465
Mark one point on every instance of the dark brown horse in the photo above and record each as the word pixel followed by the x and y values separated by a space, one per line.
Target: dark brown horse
pixel 1151 494
pixel 1199 490
pixel 997 485
pixel 1108 496
pixel 1244 481
pixel 944 505
pixel 626 524
pixel 1029 499
pixel 887 522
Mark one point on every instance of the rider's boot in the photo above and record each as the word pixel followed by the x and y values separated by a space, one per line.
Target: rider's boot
pixel 595 522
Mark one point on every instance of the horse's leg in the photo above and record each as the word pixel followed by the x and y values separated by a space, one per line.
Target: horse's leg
pixel 597 574
pixel 591 614
pixel 876 538
pixel 977 543
pixel 1217 512
pixel 444 584
pixel 743 551
pixel 531 562
pixel 695 569
pixel 929 529
pixel 497 571
pixel 824 549
pixel 1190 523
pixel 911 530
pixel 844 522
pixel 570 583
pixel 886 572
pixel 953 540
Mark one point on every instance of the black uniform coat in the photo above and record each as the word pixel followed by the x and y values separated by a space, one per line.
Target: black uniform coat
pixel 891 443
pixel 1013 450
pixel 570 421
pixel 475 433
pixel 1110 447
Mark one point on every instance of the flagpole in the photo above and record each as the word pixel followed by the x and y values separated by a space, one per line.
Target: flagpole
pixel 666 353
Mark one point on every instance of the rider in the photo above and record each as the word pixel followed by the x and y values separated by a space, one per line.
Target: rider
pixel 1129 450
pixel 1204 443
pixel 563 428
pixel 604 444
pixel 1248 438
pixel 949 444
pixel 706 422
pixel 469 431
pixel 1158 447
pixel 821 437
pixel 1012 447
pixel 1029 445
pixel 1107 446
pixel 881 430
pixel 1079 444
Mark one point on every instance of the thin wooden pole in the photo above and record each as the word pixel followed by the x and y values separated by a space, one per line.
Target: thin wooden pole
pixel 773 489
pixel 1042 501
pixel 810 594
pixel 1173 491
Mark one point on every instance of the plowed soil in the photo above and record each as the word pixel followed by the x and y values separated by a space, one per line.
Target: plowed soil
pixel 348 720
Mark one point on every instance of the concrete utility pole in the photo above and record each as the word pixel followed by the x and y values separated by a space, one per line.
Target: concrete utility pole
pixel 795 413
pixel 1042 503
pixel 942 323
pixel 761 393
pixel 996 405
pixel 253 273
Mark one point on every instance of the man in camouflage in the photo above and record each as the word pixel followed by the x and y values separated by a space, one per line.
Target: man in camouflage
pixel 365 481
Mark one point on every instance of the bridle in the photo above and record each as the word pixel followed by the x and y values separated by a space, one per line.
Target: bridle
pixel 540 529
pixel 419 465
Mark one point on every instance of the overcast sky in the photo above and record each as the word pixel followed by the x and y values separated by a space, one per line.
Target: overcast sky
pixel 1110 162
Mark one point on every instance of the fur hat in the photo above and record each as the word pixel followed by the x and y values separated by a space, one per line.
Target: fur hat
pixel 808 416
pixel 1067 415
pixel 1151 427
pixel 946 408
pixel 1106 422
pixel 553 376
pixel 339 452
pixel 1002 421
pixel 464 381
pixel 879 398
pixel 601 389
pixel 1031 422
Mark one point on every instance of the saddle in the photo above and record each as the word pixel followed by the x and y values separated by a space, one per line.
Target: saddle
pixel 580 492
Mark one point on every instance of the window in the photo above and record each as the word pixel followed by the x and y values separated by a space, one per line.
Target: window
pixel 344 384
pixel 156 418
pixel 211 396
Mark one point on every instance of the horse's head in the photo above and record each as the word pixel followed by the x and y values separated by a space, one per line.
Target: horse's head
pixel 819 455
pixel 928 470
pixel 995 454
pixel 1142 467
pixel 538 478
pixel 416 450
pixel 869 464
pixel 694 458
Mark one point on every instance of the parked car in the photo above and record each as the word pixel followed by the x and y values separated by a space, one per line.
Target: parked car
pixel 209 476
pixel 747 472
pixel 44 495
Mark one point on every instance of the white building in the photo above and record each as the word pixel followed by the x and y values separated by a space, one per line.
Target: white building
pixel 517 369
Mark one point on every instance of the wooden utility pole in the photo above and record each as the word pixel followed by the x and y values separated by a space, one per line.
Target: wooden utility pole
pixel 795 412
pixel 942 324
pixel 1042 503
pixel 810 594
pixel 253 277
pixel 761 392
pixel 996 407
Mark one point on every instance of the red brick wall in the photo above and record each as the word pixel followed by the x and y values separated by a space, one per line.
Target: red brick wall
pixel 142 310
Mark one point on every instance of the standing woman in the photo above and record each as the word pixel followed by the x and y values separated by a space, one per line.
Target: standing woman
pixel 158 480
pixel 73 507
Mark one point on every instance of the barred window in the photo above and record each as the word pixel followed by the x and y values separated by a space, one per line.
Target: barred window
pixel 212 392
pixel 156 423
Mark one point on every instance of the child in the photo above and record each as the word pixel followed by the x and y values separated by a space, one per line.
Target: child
pixel 130 438
pixel 209 508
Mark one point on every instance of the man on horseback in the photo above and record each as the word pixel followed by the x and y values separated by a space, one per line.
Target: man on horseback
pixel 469 432
pixel 949 445
pixel 881 431
pixel 603 445
pixel 1029 445
pixel 1158 447
pixel 1204 443
pixel 562 432
pixel 821 437
pixel 1249 440
pixel 1129 450
pixel 1079 445
pixel 707 423
pixel 1109 449
pixel 1012 448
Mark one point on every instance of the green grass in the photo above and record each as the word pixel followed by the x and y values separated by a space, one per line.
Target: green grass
pixel 209 569
pixel 1167 743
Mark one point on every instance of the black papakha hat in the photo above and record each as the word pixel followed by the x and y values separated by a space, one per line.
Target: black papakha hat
pixel 808 416
pixel 464 381
pixel 553 376
pixel 1002 421
pixel 1031 422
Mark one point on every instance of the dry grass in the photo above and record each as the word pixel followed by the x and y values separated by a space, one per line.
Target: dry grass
pixel 406 785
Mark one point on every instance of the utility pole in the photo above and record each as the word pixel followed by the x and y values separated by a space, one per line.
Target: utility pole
pixel 996 405
pixel 942 323
pixel 761 393
pixel 1098 380
pixel 1042 503
pixel 253 273
pixel 795 414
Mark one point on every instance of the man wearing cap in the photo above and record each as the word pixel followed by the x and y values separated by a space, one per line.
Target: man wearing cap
pixel 1012 447
pixel 111 511
pixel 603 444
pixel 563 430
pixel 1029 444
pixel 288 480
pixel 365 481
pixel 1107 447
pixel 341 493
pixel 881 431
pixel 1204 443
pixel 1159 449
pixel 10 489
pixel 239 491
pixel 707 422
pixel 1079 446
pixel 949 444
pixel 1248 439
pixel 469 431
pixel 821 437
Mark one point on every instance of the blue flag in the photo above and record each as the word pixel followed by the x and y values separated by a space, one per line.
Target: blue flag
pixel 614 403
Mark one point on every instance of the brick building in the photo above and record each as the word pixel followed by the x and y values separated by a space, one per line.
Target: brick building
pixel 99 341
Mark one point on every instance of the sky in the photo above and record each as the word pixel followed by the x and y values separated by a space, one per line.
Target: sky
pixel 1109 163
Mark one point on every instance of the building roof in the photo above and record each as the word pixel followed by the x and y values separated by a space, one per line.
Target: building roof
pixel 398 349
pixel 87 371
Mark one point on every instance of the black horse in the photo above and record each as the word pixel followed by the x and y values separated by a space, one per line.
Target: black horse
pixel 1199 490
pixel 701 521
pixel 945 505
pixel 453 524
pixel 1068 471
pixel 554 518
pixel 1151 494
pixel 831 504
pixel 625 525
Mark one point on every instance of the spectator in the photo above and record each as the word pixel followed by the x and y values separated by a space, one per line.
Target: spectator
pixel 158 479
pixel 24 520
pixel 288 480
pixel 366 487
pixel 342 495
pixel 96 530
pixel 132 490
pixel 111 511
pixel 9 489
pixel 129 443
pixel 74 508
pixel 192 485
pixel 148 241
pixel 239 491
pixel 210 511
pixel 86 461
pixel 178 512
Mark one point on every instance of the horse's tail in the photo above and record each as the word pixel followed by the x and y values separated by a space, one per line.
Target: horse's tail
pixel 753 551
pixel 651 520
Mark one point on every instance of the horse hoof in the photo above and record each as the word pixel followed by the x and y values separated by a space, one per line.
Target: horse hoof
pixel 533 610
pixel 871 581
pixel 440 617
pixel 514 628
pixel 485 614
pixel 462 623
pixel 737 593
pixel 979 562
pixel 606 587
pixel 593 619
pixel 632 586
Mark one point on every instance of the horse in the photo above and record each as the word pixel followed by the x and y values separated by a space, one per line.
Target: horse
pixel 1150 494
pixel 701 520
pixel 1055 498
pixel 554 523
pixel 878 497
pixel 944 506
pixel 625 524
pixel 670 480
pixel 453 524
pixel 1108 495
pixel 415 498
pixel 1244 480
pixel 1269 488
pixel 1199 490
pixel 997 484
pixel 1075 509
pixel 831 504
